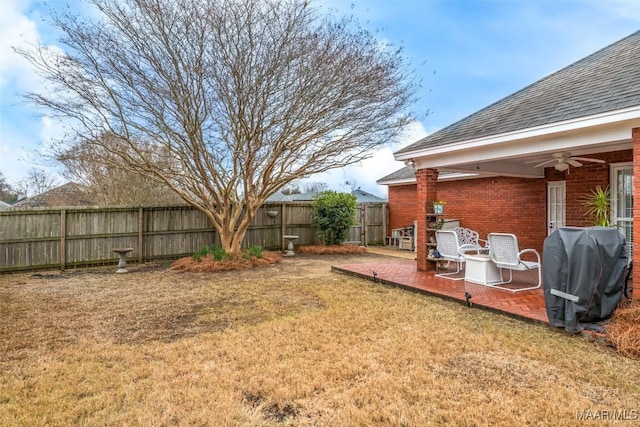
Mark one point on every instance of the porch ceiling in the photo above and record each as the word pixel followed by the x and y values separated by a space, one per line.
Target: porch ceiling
pixel 507 155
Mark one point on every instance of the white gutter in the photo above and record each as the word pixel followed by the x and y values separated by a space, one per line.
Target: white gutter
pixel 630 115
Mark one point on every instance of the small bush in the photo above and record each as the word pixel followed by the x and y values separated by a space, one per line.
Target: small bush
pixel 197 257
pixel 254 251
pixel 217 253
pixel 333 216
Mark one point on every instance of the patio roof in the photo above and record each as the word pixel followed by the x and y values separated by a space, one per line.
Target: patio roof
pixel 580 108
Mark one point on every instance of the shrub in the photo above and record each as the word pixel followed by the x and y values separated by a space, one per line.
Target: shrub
pixel 254 251
pixel 217 252
pixel 200 254
pixel 333 216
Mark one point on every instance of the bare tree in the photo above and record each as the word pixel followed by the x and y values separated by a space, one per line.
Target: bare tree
pixel 37 182
pixel 352 184
pixel 8 194
pixel 96 166
pixel 291 189
pixel 244 96
pixel 315 187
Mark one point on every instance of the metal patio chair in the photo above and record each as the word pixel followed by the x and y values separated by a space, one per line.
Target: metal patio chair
pixel 467 236
pixel 505 254
pixel 451 250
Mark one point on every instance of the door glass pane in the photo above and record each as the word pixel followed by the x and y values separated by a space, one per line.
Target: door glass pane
pixel 623 204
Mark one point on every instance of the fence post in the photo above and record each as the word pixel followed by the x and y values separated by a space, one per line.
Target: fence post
pixel 63 239
pixel 363 226
pixel 283 218
pixel 384 222
pixel 140 235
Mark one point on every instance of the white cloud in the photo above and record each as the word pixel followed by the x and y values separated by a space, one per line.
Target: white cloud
pixel 23 134
pixel 16 30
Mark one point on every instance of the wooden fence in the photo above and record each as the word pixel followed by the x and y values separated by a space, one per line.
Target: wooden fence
pixel 70 237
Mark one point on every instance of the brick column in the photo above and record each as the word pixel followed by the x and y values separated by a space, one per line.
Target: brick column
pixel 426 195
pixel 635 135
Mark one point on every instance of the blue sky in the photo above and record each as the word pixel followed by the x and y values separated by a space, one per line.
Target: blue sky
pixel 469 54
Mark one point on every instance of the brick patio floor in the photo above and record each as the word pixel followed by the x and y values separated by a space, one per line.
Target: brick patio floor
pixel 402 273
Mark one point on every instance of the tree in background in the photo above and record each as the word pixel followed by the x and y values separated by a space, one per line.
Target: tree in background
pixel 95 166
pixel 238 98
pixel 333 216
pixel 291 189
pixel 307 187
pixel 37 182
pixel 8 194
pixel 314 187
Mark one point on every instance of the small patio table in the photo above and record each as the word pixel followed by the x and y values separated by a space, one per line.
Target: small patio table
pixel 482 270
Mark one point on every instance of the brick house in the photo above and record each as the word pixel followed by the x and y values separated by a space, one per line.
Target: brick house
pixel 487 165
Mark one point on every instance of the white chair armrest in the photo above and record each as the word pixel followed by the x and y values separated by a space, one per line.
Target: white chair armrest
pixel 524 251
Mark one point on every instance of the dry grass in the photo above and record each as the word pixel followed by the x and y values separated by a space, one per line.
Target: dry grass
pixel 623 330
pixel 285 344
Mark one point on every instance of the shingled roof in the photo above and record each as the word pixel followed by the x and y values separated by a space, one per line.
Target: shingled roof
pixel 407 173
pixel 69 194
pixel 608 80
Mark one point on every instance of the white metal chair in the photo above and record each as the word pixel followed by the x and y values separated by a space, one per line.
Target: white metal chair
pixel 505 254
pixel 450 250
pixel 467 236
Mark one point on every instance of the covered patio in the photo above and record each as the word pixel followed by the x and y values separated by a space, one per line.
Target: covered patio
pixel 526 305
pixel 525 164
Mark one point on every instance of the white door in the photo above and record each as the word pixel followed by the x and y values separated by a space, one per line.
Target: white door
pixel 622 200
pixel 556 205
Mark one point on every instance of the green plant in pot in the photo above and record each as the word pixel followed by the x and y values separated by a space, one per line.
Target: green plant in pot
pixel 598 205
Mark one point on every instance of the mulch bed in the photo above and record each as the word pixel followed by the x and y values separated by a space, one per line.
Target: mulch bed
pixel 208 264
pixel 623 330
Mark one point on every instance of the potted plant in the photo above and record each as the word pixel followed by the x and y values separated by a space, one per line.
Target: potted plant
pixel 438 207
pixel 598 205
pixel 436 225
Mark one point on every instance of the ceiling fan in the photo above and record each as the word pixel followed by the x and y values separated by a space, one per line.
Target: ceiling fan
pixel 563 160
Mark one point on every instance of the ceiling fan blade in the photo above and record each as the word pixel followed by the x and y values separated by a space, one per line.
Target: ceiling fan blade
pixel 572 161
pixel 587 159
pixel 544 163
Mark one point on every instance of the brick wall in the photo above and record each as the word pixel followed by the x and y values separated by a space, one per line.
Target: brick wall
pixel 402 206
pixel 500 204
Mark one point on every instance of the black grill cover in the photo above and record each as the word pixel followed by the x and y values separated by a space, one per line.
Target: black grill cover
pixel 583 275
